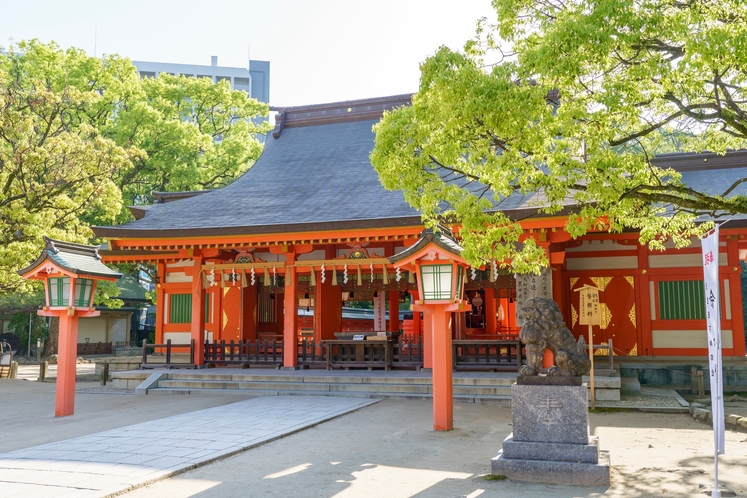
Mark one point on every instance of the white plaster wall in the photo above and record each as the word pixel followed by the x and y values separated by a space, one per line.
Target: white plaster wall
pixel 177 277
pixel 118 329
pixel 668 260
pixel 180 264
pixel 599 245
pixel 611 263
pixel 687 339
pixel 92 328
pixel 177 337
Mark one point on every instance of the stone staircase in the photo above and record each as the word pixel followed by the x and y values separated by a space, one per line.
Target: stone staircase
pixel 480 388
pixel 607 385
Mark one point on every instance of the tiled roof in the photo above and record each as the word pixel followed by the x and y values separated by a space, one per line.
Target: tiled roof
pixel 76 258
pixel 312 177
pixel 315 174
pixel 442 238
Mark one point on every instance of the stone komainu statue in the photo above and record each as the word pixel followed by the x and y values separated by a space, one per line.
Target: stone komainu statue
pixel 544 328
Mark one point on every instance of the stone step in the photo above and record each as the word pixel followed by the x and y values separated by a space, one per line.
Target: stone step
pixel 606 387
pixel 479 399
pixel 630 386
pixel 419 388
pixel 332 379
pixel 602 382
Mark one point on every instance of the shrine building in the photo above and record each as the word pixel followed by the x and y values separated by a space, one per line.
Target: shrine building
pixel 280 252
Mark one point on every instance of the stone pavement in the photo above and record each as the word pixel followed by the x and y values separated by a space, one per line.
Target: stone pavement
pixel 31 372
pixel 107 463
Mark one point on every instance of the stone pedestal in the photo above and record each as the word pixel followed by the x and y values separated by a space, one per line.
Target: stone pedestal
pixel 550 442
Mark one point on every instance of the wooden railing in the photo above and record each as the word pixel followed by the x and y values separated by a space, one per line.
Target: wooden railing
pixel 167 352
pixel 246 353
pixel 357 354
pixel 407 352
pixel 124 344
pixel 311 354
pixel 94 348
pixel 505 355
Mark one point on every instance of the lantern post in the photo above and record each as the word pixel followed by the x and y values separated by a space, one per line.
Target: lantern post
pixel 440 269
pixel 70 273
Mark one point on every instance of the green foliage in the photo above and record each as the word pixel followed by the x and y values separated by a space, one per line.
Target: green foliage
pixel 106 295
pixel 53 172
pixel 185 134
pixel 581 97
pixel 79 134
pixel 23 302
pixel 19 324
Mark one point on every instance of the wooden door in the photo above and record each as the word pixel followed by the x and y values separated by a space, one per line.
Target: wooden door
pixel 618 313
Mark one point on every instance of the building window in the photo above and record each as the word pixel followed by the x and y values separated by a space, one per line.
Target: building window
pixel 181 308
pixel 682 300
pixel 147 74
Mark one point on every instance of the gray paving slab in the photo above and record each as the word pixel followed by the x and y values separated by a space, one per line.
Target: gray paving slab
pixel 110 462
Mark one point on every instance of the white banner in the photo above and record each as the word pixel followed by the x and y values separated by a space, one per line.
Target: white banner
pixel 713 323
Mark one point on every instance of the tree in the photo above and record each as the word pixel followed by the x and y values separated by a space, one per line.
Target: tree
pixel 180 133
pixel 53 172
pixel 582 95
pixel 79 134
pixel 189 134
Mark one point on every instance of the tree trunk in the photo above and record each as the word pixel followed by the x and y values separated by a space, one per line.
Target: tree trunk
pixel 50 346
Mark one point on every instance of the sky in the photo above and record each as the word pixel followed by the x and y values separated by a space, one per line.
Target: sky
pixel 319 50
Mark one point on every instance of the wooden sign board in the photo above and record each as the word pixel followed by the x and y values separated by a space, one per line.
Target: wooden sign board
pixel 588 308
pixel 529 286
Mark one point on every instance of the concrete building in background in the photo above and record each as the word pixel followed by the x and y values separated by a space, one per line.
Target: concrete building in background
pixel 255 80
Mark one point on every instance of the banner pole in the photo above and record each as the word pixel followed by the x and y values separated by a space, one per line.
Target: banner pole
pixel 591 372
pixel 711 287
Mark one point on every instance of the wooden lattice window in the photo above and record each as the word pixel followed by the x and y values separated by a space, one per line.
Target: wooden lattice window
pixel 180 307
pixel 58 287
pixel 682 300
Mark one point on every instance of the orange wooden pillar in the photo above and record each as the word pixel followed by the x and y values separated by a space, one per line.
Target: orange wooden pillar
pixel 160 303
pixel 290 319
pixel 327 308
pixel 67 350
pixel 393 311
pixel 197 323
pixel 734 281
pixel 490 308
pixel 416 326
pixel 438 327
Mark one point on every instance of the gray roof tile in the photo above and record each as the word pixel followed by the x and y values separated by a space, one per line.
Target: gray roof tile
pixel 311 175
